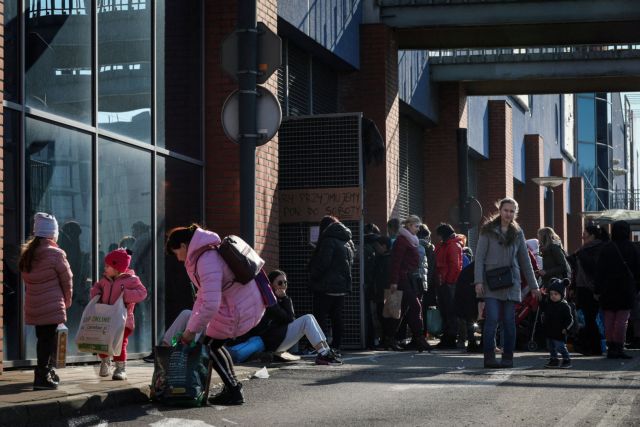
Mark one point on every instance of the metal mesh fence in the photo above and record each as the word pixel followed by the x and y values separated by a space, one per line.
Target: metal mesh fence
pixel 319 152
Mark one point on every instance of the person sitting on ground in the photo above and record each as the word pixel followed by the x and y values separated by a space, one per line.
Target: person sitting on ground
pixel 280 330
pixel 556 320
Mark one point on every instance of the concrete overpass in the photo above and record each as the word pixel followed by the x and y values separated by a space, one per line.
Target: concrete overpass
pixel 570 69
pixel 444 24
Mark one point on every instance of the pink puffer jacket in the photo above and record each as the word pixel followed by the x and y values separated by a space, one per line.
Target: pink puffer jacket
pixel 48 286
pixel 226 308
pixel 127 282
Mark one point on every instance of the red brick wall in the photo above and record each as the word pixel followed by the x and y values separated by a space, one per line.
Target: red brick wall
pixel 222 180
pixel 531 197
pixel 575 220
pixel 559 199
pixel 495 175
pixel 1 177
pixel 441 156
pixel 379 70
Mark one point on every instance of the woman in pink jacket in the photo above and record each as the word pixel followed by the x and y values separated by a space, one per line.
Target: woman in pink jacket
pixel 48 289
pixel 119 279
pixel 224 307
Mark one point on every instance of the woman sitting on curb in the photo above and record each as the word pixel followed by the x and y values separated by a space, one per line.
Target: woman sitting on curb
pixel 280 330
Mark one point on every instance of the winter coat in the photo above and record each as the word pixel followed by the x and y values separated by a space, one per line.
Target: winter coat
pixel 449 259
pixel 381 276
pixel 48 286
pixel 274 324
pixel 466 303
pixel 227 309
pixel 127 284
pixel 586 261
pixel 495 250
pixel 615 285
pixel 423 246
pixel 332 260
pixel 405 259
pixel 556 317
pixel 369 253
pixel 555 264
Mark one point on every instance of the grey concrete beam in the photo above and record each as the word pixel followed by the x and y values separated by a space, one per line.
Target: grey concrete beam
pixel 542 77
pixel 432 25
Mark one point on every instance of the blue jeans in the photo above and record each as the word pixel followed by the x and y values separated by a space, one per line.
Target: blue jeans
pixel 496 310
pixel 557 346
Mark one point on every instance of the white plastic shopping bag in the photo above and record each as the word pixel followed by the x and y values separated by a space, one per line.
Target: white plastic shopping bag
pixel 102 327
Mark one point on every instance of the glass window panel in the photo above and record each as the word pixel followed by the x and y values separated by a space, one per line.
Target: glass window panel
pixel 586 120
pixel 11 51
pixel 58 57
pixel 11 238
pixel 179 77
pixel 124 68
pixel 53 152
pixel 179 204
pixel 124 215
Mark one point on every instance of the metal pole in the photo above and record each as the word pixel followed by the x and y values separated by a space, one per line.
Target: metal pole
pixel 247 72
pixel 551 201
pixel 463 179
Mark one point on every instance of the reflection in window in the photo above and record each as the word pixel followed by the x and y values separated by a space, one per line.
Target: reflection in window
pixel 586 119
pixel 11 51
pixel 124 69
pixel 124 192
pixel 58 58
pixel 11 239
pixel 179 77
pixel 179 204
pixel 58 174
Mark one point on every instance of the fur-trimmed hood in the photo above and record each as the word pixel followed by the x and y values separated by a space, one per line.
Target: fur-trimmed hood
pixel 493 227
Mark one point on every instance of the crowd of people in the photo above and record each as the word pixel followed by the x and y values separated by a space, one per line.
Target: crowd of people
pixel 576 295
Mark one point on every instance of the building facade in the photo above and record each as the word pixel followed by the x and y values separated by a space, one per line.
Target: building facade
pixel 111 123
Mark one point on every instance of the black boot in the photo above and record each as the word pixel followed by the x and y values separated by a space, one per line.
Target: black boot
pixel 422 344
pixel 228 396
pixel 621 353
pixel 612 350
pixel 490 361
pixel 42 379
pixel 507 360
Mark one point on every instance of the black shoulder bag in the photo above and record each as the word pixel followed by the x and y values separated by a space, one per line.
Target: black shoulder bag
pixel 499 278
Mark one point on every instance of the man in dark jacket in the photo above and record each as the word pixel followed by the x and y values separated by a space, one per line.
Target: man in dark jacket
pixel 330 275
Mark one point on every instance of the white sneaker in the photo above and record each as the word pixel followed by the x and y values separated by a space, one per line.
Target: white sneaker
pixel 120 372
pixel 105 367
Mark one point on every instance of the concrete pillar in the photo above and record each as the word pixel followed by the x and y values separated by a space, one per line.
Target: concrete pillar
pixel 440 156
pixel 559 202
pixel 531 197
pixel 222 182
pixel 374 90
pixel 495 175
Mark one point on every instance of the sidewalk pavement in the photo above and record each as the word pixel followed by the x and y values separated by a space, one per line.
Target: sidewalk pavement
pixel 81 392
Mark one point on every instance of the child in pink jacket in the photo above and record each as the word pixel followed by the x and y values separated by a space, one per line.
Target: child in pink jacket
pixel 119 279
pixel 48 289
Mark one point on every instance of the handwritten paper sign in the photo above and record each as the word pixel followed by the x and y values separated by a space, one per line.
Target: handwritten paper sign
pixel 310 205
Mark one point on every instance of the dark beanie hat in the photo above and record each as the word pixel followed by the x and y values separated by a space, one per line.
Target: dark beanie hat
pixel 558 285
pixel 445 231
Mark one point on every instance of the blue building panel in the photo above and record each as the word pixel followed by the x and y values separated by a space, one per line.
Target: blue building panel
pixel 334 24
pixel 478 125
pixel 414 85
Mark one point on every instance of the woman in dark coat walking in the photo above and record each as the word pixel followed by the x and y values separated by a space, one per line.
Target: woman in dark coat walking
pixel 616 286
pixel 405 263
pixel 330 275
pixel 584 262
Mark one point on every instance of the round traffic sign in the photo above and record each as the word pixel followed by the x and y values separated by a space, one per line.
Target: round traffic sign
pixel 268 116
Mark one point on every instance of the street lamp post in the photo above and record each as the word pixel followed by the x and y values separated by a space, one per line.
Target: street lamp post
pixel 549 182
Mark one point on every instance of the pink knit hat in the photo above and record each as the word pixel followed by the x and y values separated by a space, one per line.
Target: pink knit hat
pixel 118 259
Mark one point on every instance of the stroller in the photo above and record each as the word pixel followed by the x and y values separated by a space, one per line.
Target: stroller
pixel 527 317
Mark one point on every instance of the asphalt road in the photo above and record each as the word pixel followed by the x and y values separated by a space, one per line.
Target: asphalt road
pixel 411 389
